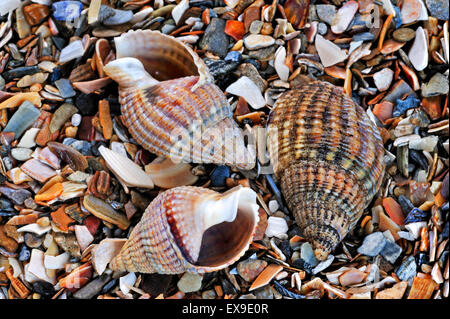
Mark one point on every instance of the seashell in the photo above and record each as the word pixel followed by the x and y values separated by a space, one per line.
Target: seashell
pixel 328 156
pixel 190 229
pixel 169 102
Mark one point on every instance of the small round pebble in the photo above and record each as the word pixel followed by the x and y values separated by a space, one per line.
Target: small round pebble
pixel 76 119
pixel 190 282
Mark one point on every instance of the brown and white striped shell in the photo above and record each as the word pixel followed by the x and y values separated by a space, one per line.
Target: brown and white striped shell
pixel 170 104
pixel 190 229
pixel 328 157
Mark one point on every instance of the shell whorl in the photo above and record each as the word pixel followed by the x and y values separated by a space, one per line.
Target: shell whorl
pixel 190 229
pixel 174 109
pixel 328 157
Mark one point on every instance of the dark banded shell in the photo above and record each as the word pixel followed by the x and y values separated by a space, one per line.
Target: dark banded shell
pixel 328 157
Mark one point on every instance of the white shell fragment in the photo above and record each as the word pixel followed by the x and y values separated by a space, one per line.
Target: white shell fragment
pixel 37 267
pixel 125 169
pixel 127 281
pixel 276 226
pixel 329 53
pixel 56 262
pixel 279 64
pixel 418 54
pixel 72 51
pixel 105 251
pixel 35 229
pixel 179 10
pixel 383 79
pixel 9 5
pixel 84 237
pixel 247 89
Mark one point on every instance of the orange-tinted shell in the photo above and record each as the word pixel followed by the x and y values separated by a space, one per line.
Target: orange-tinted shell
pixel 185 116
pixel 190 229
pixel 328 157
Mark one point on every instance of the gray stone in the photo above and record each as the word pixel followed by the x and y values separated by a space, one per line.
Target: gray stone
pixel 250 71
pixel 264 54
pixel 438 85
pixel 190 282
pixel 65 88
pixel 407 269
pixel 373 244
pixel 326 12
pixel 322 28
pixel 438 8
pixel 92 288
pixel 214 39
pixel 391 251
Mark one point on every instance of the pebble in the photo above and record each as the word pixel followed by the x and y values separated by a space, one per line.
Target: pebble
pixel 214 39
pixel 250 71
pixel 67 10
pixel 273 206
pixel 407 269
pixel 190 282
pixel 383 79
pixel 322 28
pixel 372 244
pixel 391 251
pixel 43 288
pixel 438 85
pixel 233 56
pixel 93 288
pixel 404 34
pixel 326 12
pixel 25 253
pixel 258 41
pixel 75 120
pixel 276 226
pixel 418 54
pixel 21 154
pixel 249 269
pixel 438 8
pixel 18 196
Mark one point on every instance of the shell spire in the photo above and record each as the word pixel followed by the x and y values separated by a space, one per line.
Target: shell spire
pixel 191 229
pixel 170 104
pixel 328 158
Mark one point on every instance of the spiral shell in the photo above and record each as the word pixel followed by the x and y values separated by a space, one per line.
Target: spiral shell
pixel 328 158
pixel 190 229
pixel 170 104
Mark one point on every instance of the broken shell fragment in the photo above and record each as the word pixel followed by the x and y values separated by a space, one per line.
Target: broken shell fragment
pixel 197 230
pixel 125 169
pixel 166 174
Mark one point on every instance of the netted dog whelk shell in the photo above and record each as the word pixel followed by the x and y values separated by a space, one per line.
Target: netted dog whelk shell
pixel 190 229
pixel 328 157
pixel 170 104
